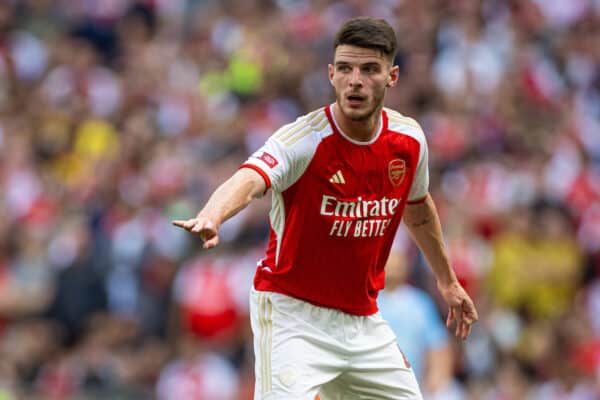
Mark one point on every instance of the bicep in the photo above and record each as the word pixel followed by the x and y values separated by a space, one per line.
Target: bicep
pixel 419 214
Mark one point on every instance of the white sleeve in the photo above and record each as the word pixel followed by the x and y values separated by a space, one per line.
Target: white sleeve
pixel 420 185
pixel 410 127
pixel 281 161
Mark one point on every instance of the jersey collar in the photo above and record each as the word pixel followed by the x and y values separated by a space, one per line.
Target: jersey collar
pixel 336 127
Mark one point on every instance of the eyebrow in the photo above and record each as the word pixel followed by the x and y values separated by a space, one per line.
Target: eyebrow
pixel 367 64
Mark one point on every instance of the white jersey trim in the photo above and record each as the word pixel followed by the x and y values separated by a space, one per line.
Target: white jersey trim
pixel 290 151
pixel 277 218
pixel 348 138
pixel 409 127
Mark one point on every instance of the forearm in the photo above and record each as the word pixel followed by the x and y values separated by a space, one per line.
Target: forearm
pixel 423 224
pixel 438 369
pixel 233 196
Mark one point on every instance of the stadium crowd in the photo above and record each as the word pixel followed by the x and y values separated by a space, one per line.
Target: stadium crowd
pixel 118 116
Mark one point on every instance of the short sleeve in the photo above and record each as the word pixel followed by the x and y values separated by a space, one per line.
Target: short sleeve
pixel 420 186
pixel 282 160
pixel 410 127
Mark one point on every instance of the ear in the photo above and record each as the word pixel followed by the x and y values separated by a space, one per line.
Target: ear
pixel 393 76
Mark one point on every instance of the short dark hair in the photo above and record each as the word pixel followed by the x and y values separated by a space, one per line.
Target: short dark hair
pixel 370 33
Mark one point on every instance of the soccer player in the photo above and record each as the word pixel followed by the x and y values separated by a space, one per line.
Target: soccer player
pixel 342 177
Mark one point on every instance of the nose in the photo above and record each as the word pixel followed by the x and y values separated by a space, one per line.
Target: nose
pixel 355 78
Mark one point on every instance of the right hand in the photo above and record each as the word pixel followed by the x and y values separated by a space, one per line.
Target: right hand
pixel 202 226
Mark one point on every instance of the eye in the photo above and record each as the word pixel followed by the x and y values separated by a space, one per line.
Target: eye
pixel 371 69
pixel 344 68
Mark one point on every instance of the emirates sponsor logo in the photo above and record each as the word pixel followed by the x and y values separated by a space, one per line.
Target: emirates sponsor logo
pixel 358 208
pixel 397 171
pixel 359 218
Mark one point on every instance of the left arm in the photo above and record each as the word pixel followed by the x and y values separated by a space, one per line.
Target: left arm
pixel 424 226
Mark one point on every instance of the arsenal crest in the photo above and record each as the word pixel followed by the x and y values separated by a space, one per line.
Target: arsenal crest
pixel 397 171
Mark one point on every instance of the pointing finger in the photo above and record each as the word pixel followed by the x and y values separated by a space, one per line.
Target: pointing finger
pixel 185 224
pixel 203 225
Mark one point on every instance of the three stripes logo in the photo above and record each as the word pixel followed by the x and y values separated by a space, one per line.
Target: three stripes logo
pixel 337 178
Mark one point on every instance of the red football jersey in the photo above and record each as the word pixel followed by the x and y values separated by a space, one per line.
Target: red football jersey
pixel 336 206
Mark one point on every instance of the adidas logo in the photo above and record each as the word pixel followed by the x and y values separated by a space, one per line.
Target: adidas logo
pixel 337 178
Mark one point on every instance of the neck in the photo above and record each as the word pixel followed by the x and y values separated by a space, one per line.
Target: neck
pixel 363 130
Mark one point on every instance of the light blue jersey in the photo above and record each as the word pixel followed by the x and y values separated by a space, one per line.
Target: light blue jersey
pixel 413 317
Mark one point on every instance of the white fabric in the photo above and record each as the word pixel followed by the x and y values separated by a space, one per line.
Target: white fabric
pixel 302 350
pixel 293 147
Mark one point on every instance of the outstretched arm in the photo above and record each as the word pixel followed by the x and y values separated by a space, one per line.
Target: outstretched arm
pixel 424 226
pixel 229 198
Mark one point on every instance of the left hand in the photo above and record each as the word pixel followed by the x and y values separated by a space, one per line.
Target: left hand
pixel 462 311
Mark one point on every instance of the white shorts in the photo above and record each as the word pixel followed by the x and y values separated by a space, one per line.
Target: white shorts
pixel 301 350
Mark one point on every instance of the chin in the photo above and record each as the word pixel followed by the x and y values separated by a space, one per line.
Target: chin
pixel 357 114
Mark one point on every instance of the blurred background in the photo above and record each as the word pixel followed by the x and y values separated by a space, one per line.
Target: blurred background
pixel 118 115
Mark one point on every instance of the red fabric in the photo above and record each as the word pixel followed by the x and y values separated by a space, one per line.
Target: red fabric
pixel 334 260
pixel 418 201
pixel 584 192
pixel 268 159
pixel 208 306
pixel 586 357
pixel 264 176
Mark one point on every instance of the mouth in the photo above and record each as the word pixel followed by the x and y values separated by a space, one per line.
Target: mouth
pixel 355 100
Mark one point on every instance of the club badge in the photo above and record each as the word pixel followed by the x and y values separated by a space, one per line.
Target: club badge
pixel 397 171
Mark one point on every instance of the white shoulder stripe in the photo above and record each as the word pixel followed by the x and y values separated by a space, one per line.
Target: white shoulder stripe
pixel 323 124
pixel 289 129
pixel 304 126
pixel 397 118
pixel 293 139
pixel 404 125
pixel 313 114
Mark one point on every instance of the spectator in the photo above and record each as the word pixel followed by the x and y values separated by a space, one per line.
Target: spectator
pixel 116 117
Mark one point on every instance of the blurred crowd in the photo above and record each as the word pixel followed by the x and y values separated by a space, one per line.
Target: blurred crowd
pixel 117 116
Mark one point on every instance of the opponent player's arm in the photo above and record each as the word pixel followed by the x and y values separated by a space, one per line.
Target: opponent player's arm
pixel 438 368
pixel 423 224
pixel 229 198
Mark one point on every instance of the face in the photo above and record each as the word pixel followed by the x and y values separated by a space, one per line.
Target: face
pixel 360 78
